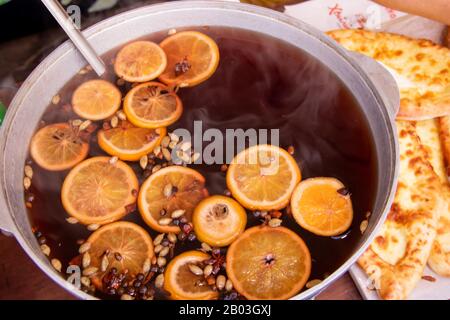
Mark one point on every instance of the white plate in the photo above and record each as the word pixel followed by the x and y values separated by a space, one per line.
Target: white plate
pixel 328 15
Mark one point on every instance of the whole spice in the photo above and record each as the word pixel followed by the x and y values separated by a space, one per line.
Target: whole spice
pixel 167 191
pixel 143 162
pixel 56 264
pixel 90 271
pixel 312 283
pixel 27 183
pixel 220 282
pixel 85 281
pixel 56 99
pixel 147 265
pixel 158 239
pixel 363 226
pixel 195 269
pixel 159 281
pixel 206 247
pixel 343 191
pixel 229 285
pixel 84 247
pixel 164 252
pixel 291 150
pixel 177 213
pixel 121 115
pixel 165 141
pixel 105 263
pixel 165 221
pixel 182 67
pixel 85 125
pixel 114 121
pixel 77 122
pixel 208 270
pixel 158 248
pixel 172 237
pixel 161 261
pixel 126 297
pixel 274 223
pixel 113 160
pixel 93 227
pixel 72 220
pixel 45 249
pixel 86 260
pixel 28 171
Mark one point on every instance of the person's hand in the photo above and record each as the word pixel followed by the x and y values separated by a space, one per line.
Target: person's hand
pixel 438 10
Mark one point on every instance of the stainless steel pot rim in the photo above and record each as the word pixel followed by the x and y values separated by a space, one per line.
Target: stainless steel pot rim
pixel 66 48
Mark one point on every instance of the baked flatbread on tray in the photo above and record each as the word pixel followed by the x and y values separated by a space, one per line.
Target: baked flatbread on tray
pixel 421 68
pixel 444 133
pixel 439 260
pixel 396 259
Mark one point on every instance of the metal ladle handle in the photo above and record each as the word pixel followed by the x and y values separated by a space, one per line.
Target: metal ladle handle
pixel 75 35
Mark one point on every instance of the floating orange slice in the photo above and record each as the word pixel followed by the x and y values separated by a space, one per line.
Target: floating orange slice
pixel 181 283
pixel 129 143
pixel 99 191
pixel 192 57
pixel 219 220
pixel 322 206
pixel 188 189
pixel 127 247
pixel 268 263
pixel 140 61
pixel 58 147
pixel 96 100
pixel 152 105
pixel 263 177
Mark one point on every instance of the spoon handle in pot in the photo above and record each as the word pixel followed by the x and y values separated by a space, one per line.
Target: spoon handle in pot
pixel 75 35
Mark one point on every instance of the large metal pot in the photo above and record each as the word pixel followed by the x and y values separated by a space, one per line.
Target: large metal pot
pixel 374 89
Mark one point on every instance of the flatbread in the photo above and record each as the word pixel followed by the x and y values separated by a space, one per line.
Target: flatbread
pixel 439 260
pixel 399 253
pixel 421 68
pixel 444 133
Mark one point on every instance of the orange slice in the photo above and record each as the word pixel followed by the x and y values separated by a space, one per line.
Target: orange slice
pixel 181 283
pixel 322 206
pixel 188 189
pixel 99 191
pixel 263 177
pixel 192 57
pixel 140 61
pixel 58 147
pixel 268 263
pixel 152 105
pixel 128 247
pixel 96 100
pixel 219 220
pixel 129 143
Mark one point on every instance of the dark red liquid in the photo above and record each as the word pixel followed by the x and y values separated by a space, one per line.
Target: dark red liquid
pixel 261 83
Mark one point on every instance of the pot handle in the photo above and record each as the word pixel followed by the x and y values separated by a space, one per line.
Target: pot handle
pixel 6 224
pixel 383 80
